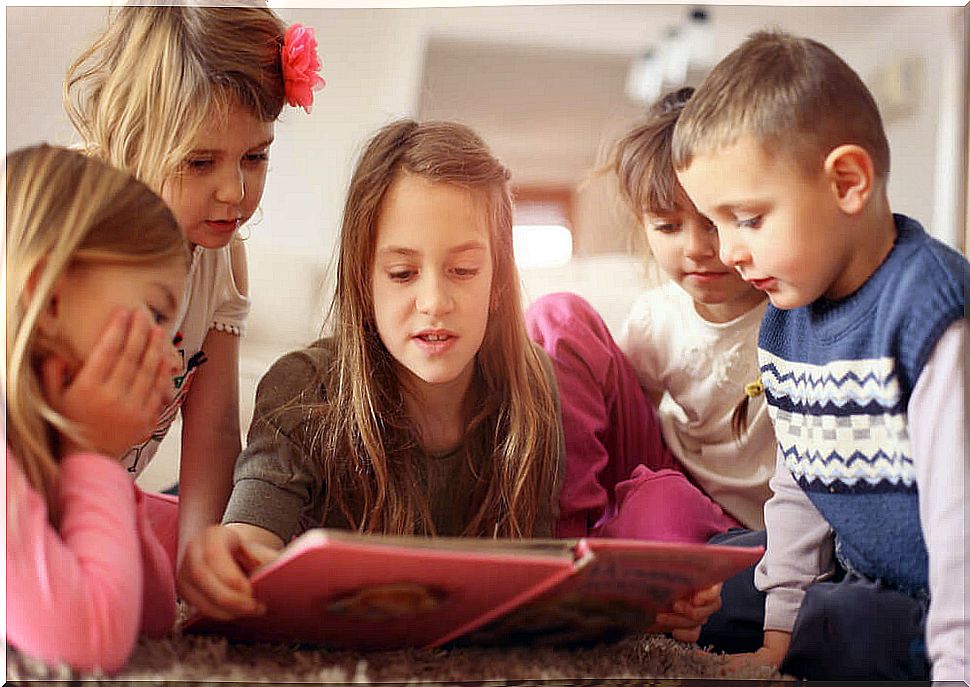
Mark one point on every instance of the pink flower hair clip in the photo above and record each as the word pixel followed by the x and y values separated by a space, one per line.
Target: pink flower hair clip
pixel 300 66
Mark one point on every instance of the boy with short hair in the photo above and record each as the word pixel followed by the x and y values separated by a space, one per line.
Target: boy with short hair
pixel 862 355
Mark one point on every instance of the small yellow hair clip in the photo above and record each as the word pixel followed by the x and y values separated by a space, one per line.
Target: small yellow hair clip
pixel 754 389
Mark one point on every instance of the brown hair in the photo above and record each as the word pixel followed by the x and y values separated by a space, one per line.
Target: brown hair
pixel 641 159
pixel 794 95
pixel 64 207
pixel 643 166
pixel 360 431
pixel 140 93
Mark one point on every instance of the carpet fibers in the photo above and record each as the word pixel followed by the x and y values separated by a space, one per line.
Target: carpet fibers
pixel 647 659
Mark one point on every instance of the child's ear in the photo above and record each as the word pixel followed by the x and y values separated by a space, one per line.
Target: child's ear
pixel 47 318
pixel 850 170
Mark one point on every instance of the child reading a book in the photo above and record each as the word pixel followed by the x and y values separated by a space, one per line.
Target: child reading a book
pixel 863 359
pixel 95 268
pixel 428 411
pixel 690 345
pixel 186 97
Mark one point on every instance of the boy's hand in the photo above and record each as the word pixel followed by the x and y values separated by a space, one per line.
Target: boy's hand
pixel 772 653
pixel 213 575
pixel 119 391
pixel 686 616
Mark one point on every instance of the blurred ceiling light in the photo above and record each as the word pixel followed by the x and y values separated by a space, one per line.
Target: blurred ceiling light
pixel 541 245
pixel 644 80
pixel 685 47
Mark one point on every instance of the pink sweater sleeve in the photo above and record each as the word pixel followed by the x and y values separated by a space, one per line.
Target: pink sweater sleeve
pixel 75 595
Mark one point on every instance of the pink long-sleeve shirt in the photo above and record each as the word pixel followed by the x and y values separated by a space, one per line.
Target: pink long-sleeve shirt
pixel 80 594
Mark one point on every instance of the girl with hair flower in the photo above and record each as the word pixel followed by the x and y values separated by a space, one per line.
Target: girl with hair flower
pixel 185 98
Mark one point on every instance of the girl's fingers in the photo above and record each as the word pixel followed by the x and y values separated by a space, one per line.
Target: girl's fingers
pixel 203 605
pixel 689 635
pixel 104 355
pixel 143 383
pixel 674 621
pixel 213 581
pixel 252 555
pixel 701 604
pixel 53 377
pixel 708 596
pixel 132 353
pixel 162 388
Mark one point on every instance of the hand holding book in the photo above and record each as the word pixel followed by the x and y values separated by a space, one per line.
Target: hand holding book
pixel 346 590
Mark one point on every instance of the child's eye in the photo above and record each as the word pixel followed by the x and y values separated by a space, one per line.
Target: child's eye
pixel 158 316
pixel 751 222
pixel 257 158
pixel 199 164
pixel 666 227
pixel 465 272
pixel 401 275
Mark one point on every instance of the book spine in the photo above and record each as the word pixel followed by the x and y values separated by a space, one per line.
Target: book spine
pixel 503 608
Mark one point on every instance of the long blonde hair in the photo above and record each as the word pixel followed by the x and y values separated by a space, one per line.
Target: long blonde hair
pixel 365 442
pixel 139 95
pixel 64 207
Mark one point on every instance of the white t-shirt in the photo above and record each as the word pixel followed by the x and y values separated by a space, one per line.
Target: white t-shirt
pixel 211 301
pixel 701 367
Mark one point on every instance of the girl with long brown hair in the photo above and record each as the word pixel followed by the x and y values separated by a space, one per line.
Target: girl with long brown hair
pixel 427 410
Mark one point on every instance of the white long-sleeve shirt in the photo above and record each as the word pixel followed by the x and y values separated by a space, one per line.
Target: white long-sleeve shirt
pixel 800 550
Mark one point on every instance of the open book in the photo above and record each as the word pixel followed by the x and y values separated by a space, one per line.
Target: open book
pixel 353 591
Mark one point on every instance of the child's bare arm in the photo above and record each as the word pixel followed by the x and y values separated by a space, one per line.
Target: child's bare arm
pixel 214 574
pixel 771 653
pixel 210 438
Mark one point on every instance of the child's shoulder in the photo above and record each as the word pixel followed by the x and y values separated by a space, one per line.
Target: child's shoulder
pixel 295 374
pixel 925 270
pixel 667 297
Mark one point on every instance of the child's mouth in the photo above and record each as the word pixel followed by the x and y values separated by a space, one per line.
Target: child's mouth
pixel 223 225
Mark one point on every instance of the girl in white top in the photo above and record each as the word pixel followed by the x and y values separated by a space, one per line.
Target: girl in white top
pixel 693 341
pixel 186 98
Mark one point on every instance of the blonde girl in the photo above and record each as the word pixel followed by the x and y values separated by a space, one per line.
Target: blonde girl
pixel 95 266
pixel 427 411
pixel 186 98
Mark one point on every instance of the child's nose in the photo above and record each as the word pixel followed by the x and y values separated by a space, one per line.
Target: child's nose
pixel 434 297
pixel 700 243
pixel 731 251
pixel 231 188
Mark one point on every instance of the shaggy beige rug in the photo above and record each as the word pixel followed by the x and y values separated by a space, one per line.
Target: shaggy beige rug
pixel 198 659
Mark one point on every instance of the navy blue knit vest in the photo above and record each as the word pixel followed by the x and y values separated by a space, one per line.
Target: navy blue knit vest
pixel 838 376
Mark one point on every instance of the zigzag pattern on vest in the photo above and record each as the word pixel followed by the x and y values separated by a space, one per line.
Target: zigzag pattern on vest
pixel 820 412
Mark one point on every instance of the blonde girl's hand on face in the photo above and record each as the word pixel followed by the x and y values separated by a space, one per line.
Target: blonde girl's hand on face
pixel 686 616
pixel 118 392
pixel 213 576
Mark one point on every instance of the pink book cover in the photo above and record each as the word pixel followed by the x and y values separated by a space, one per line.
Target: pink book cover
pixel 369 592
